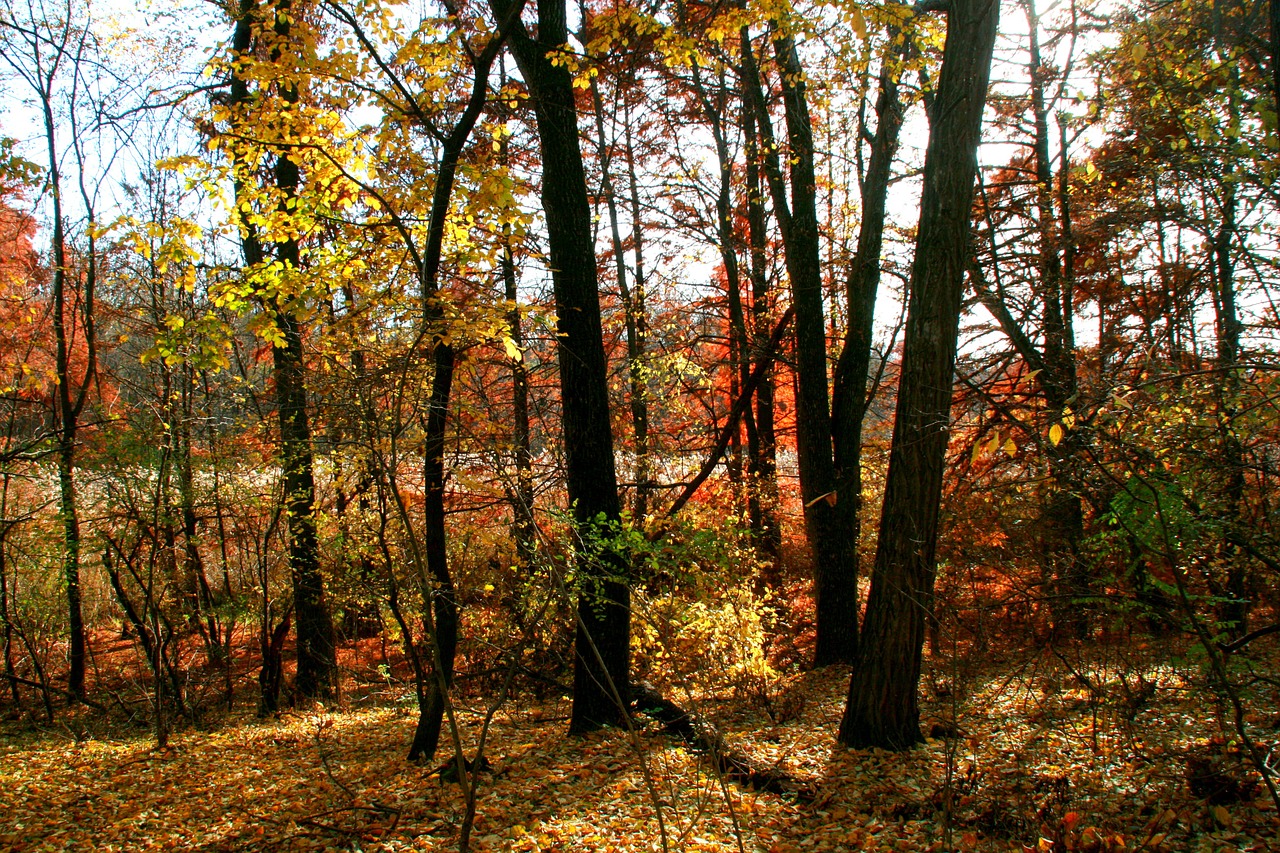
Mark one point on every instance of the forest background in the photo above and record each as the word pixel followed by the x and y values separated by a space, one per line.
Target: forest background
pixel 856 421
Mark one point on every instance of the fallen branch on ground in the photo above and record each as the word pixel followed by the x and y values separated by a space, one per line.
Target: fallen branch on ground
pixel 705 737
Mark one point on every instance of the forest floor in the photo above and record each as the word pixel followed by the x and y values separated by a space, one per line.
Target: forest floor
pixel 1108 748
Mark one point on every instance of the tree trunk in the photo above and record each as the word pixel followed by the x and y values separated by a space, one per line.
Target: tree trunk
pixel 602 644
pixel 66 415
pixel 882 708
pixel 1234 613
pixel 10 671
pixel 317 676
pixel 1274 30
pixel 1062 516
pixel 317 655
pixel 762 459
pixel 632 296
pixel 442 597
pixel 522 493
pixel 834 554
pixel 316 652
pixel 849 386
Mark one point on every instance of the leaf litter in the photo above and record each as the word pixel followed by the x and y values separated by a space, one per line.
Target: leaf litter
pixel 1036 762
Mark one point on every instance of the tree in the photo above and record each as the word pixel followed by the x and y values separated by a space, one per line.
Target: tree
pixel 50 53
pixel 882 708
pixel 602 646
pixel 271 26
pixel 1034 205
pixel 442 595
pixel 1190 163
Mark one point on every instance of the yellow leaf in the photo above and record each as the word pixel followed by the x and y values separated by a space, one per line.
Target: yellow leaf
pixel 1055 434
pixel 1010 447
pixel 513 351
pixel 858 23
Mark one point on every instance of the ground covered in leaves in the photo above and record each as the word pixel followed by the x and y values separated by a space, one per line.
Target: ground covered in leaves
pixel 1095 753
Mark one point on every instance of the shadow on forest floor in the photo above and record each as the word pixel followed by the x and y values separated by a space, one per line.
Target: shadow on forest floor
pixel 1105 750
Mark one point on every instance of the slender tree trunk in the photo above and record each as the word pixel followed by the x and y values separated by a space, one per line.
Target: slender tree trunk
pixel 882 708
pixel 442 596
pixel 317 676
pixel 66 416
pixel 638 314
pixel 443 623
pixel 316 652
pixel 849 391
pixel 1274 18
pixel 1234 612
pixel 739 345
pixel 632 295
pixel 10 670
pixel 601 674
pixel 1062 515
pixel 763 461
pixel 522 494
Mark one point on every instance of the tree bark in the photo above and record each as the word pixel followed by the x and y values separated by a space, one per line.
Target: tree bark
pixel 522 495
pixel 1062 515
pixel 882 708
pixel 849 385
pixel 602 643
pixel 835 563
pixel 316 653
pixel 317 676
pixel 69 397
pixel 632 295
pixel 763 458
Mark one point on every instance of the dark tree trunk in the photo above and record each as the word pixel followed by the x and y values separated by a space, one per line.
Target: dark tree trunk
pixel 442 597
pixel 271 675
pixel 522 492
pixel 763 458
pixel 317 676
pixel 443 623
pixel 834 552
pixel 713 106
pixel 632 295
pixel 1274 15
pixel 600 681
pixel 1234 613
pixel 849 386
pixel 67 407
pixel 316 652
pixel 1062 516
pixel 10 671
pixel 882 708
